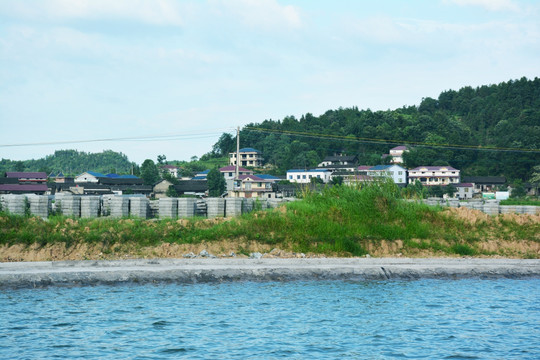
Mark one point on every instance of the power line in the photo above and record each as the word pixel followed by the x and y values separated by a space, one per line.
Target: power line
pixel 389 141
pixel 173 137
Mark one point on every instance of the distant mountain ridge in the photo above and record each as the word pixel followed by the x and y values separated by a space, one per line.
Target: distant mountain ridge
pixel 73 162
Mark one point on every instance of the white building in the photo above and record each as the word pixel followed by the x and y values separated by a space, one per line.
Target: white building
pixel 397 154
pixel 434 175
pixel 397 173
pixel 305 176
pixel 248 157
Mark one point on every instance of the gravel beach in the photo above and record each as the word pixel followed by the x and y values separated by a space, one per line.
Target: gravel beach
pixel 77 273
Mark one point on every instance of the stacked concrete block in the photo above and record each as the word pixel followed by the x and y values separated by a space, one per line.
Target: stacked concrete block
pixel 119 206
pixel 233 206
pixel 491 207
pixel 201 208
pixel 39 206
pixel 70 206
pixel 138 207
pixel 531 210
pixel 510 209
pixel 249 205
pixel 433 201
pixel 453 203
pixel 90 206
pixel 168 208
pixel 187 207
pixel 153 208
pixel 274 203
pixel 215 207
pixel 15 204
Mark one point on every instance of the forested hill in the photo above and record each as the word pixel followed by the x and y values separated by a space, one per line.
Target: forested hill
pixel 503 116
pixel 72 162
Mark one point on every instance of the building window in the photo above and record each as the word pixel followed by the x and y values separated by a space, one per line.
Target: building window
pixel 303 176
pixel 400 172
pixel 290 177
pixel 298 177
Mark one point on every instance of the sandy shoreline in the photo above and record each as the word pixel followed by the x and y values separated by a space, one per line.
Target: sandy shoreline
pixel 89 272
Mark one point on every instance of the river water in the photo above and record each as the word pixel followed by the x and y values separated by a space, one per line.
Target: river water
pixel 423 319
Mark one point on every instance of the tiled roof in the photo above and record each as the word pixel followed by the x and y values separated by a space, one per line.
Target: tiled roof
pixel 485 179
pixel 31 175
pixel 233 168
pixel 268 177
pixel 380 167
pixel 248 149
pixel 96 174
pixel 23 188
pixel 464 185
pixel 401 147
pixel 311 170
pixel 252 177
pixel 433 168
pixel 364 167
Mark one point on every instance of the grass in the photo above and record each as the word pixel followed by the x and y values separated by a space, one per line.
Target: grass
pixel 341 220
pixel 526 202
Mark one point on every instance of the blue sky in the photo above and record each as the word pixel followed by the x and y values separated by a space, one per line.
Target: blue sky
pixel 75 70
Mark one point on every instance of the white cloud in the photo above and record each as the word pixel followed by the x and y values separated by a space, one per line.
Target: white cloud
pixel 155 12
pixel 265 14
pixel 491 5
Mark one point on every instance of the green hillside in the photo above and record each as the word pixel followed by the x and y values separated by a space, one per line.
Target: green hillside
pixel 502 117
pixel 73 162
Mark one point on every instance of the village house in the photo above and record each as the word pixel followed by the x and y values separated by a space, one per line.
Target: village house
pixel 171 169
pixel 24 183
pixel 248 157
pixel 464 190
pixel 396 154
pixel 229 172
pixel 434 175
pixel 485 183
pixel 251 186
pixel 397 173
pixel 201 175
pixel 305 176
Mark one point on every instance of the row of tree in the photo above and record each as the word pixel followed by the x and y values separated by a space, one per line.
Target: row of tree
pixel 501 122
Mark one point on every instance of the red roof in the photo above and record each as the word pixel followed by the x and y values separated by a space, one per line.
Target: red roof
pixel 23 188
pixel 27 175
pixel 364 167
pixel 433 168
pixel 233 168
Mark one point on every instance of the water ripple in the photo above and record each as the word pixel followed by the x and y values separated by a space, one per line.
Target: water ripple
pixel 424 319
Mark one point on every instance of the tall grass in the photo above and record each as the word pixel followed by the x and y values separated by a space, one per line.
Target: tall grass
pixel 344 220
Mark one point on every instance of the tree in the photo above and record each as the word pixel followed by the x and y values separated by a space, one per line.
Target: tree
pixel 216 183
pixel 451 190
pixel 518 191
pixel 170 177
pixel 162 160
pixel 225 144
pixel 149 172
pixel 171 192
pixel 19 166
pixel 535 178
pixel 337 180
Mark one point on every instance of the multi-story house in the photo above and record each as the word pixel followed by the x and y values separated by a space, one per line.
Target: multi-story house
pixel 395 172
pixel 248 157
pixel 434 175
pixel 305 176
pixel 397 154
pixel 229 172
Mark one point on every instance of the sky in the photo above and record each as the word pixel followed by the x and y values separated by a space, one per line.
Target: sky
pixel 167 77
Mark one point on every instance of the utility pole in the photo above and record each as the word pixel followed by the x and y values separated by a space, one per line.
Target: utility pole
pixel 237 152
